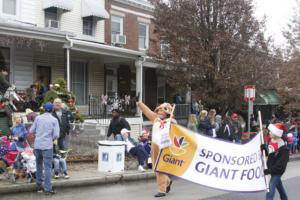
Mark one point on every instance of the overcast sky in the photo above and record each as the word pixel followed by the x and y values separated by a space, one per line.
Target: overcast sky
pixel 278 14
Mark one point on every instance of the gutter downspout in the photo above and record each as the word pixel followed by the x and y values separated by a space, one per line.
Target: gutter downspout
pixel 68 47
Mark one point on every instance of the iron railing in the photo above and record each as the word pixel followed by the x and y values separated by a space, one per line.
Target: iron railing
pixel 182 111
pixel 97 109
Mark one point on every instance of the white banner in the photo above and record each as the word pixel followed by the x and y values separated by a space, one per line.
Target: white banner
pixel 212 162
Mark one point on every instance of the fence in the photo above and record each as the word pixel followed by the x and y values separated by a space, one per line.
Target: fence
pixel 83 142
pixel 101 107
pixel 182 111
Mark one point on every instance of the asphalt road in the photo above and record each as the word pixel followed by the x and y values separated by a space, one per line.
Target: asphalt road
pixel 181 190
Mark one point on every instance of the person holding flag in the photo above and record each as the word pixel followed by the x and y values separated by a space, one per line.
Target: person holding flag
pixel 161 118
pixel 278 157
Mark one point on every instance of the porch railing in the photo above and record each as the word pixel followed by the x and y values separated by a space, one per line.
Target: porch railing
pixel 182 111
pixel 97 109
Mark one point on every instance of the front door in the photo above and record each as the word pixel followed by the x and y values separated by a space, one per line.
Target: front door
pixel 79 81
pixel 43 75
pixel 111 85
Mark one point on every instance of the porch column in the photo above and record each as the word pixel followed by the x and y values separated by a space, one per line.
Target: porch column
pixel 139 88
pixel 67 47
pixel 139 78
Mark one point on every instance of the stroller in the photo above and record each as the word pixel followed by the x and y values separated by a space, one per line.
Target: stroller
pixel 19 162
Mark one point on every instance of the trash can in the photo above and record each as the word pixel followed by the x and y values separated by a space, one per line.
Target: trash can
pixel 111 156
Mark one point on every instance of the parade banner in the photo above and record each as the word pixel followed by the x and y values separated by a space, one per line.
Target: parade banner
pixel 212 162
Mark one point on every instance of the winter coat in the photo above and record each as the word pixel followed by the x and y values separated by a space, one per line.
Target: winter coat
pixel 226 131
pixel 4 84
pixel 277 161
pixel 205 127
pixel 64 122
pixel 116 125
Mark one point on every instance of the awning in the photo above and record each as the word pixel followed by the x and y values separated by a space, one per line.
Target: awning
pixel 93 8
pixel 20 30
pixel 98 48
pixel 269 97
pixel 61 4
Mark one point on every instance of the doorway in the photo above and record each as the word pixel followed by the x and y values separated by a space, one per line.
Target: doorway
pixel 43 74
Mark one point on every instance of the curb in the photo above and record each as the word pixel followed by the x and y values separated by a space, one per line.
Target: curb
pixel 82 182
pixel 294 158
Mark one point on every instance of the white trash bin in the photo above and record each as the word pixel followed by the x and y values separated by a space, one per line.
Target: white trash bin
pixel 111 156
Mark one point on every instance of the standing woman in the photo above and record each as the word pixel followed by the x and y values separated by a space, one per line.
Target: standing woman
pixel 212 119
pixel 159 118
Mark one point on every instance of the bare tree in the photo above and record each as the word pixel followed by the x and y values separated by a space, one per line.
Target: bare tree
pixel 289 69
pixel 215 46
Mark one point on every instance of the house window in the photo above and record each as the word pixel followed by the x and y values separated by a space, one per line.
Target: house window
pixel 88 26
pixel 116 25
pixel 79 81
pixel 143 36
pixel 5 59
pixel 9 7
pixel 51 18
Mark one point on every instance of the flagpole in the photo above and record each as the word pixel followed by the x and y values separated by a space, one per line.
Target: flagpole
pixel 264 153
pixel 172 113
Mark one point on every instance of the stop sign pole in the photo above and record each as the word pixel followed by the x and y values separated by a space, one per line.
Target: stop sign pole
pixel 249 96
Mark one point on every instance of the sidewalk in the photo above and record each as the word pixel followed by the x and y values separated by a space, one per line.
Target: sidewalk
pixel 82 174
pixel 85 174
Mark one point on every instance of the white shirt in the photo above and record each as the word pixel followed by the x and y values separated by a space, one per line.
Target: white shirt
pixel 129 145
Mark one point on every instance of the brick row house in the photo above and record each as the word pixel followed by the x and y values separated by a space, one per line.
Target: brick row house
pixel 130 27
pixel 98 46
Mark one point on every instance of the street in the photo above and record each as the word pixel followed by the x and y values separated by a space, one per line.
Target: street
pixel 144 190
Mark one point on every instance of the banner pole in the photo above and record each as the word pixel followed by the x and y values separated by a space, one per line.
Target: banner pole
pixel 264 153
pixel 172 113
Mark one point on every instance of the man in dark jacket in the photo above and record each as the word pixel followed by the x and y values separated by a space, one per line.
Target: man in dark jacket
pixel 117 123
pixel 277 161
pixel 64 118
pixel 4 84
pixel 226 130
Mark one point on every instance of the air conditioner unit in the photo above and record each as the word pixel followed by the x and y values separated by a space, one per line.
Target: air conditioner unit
pixel 52 24
pixel 118 39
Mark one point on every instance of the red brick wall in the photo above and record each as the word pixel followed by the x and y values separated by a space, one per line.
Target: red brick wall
pixel 130 23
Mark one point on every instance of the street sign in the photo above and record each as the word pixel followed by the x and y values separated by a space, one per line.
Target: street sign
pixel 249 94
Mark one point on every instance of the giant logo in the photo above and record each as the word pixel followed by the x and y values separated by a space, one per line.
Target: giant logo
pixel 178 146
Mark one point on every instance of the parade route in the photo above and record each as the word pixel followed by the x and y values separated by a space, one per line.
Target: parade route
pixel 181 190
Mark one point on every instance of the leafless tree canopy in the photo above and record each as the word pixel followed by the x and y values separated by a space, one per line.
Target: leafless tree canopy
pixel 289 70
pixel 215 46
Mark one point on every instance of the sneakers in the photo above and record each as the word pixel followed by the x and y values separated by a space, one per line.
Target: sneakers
pixel 56 176
pixel 50 192
pixel 40 188
pixel 141 168
pixel 160 194
pixel 66 176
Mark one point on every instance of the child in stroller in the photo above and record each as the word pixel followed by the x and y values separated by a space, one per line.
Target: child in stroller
pixel 22 161
pixel 16 161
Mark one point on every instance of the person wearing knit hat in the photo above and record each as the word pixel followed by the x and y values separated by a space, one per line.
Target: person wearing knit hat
pixel 278 157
